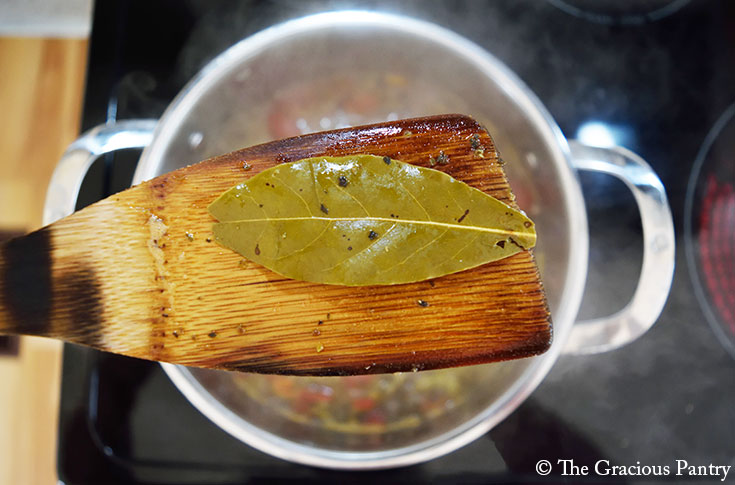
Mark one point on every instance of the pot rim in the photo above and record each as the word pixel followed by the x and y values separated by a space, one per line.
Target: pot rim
pixel 571 296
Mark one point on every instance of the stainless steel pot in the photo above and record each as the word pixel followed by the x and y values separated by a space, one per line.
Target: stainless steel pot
pixel 346 68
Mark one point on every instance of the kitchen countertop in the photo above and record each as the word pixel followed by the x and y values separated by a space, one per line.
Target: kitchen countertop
pixel 41 87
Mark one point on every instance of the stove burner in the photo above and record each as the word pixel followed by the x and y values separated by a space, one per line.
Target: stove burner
pixel 709 228
pixel 617 12
pixel 122 420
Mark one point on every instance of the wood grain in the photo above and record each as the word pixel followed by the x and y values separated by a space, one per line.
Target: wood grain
pixel 41 83
pixel 139 274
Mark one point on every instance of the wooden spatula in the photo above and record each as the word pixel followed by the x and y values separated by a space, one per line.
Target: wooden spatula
pixel 139 274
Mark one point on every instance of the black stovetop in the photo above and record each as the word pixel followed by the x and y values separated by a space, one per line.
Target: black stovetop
pixel 658 72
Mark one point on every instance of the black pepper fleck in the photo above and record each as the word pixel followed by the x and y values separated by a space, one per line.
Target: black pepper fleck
pixel 246 166
pixel 209 239
pixel 212 334
pixel 500 244
pixel 372 235
pixel 319 322
pixel 175 333
pixel 386 160
pixel 441 159
pixel 431 283
pixel 324 209
pixel 189 236
pixel 343 182
pixel 349 248
pixel 257 250
pixel 515 243
pixel 422 303
pixel 475 141
pixel 467 211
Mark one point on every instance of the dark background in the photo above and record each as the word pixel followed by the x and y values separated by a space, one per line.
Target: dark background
pixel 660 72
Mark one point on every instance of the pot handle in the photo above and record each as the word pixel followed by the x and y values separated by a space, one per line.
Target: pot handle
pixel 657 272
pixel 63 190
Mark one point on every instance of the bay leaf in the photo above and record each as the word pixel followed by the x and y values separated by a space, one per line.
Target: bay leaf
pixel 366 220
